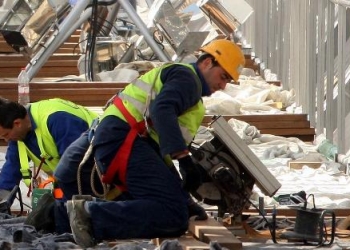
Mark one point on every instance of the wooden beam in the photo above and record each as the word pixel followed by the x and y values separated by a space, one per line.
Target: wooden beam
pixel 292 212
pixel 286 125
pixel 186 241
pixel 211 230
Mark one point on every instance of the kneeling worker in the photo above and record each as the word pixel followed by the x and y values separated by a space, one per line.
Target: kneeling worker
pixel 39 132
pixel 147 125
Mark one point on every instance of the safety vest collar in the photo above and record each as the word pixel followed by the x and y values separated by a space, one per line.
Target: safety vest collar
pixel 205 87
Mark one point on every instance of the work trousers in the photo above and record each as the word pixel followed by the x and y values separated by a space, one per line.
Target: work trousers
pixel 155 205
pixel 67 170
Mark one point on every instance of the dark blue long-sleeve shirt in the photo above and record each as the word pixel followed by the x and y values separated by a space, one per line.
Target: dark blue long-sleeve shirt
pixel 179 93
pixel 64 128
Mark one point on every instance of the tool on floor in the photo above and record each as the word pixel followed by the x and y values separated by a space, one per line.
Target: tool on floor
pixel 5 204
pixel 310 226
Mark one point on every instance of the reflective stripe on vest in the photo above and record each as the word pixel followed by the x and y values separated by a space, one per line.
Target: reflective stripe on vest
pixel 40 111
pixel 23 159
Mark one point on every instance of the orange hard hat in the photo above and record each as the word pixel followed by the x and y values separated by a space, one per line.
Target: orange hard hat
pixel 228 55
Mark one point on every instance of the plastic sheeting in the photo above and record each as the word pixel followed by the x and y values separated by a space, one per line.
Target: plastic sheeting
pixel 15 235
pixel 251 96
pixel 329 183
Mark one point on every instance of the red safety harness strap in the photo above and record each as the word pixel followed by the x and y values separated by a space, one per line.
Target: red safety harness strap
pixel 120 161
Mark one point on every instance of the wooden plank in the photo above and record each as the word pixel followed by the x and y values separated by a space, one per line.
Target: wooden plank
pixel 288 131
pixel 58 73
pixel 58 65
pixel 292 212
pixel 276 83
pixel 303 135
pixel 70 45
pixel 223 237
pixel 5 48
pixel 190 243
pixel 257 118
pixel 248 56
pixel 14 72
pixel 49 63
pixel 73 47
pixel 86 94
pixel 270 124
pixel 187 242
pixel 211 230
pixel 20 57
pixel 74 38
pixel 72 84
pixel 62 85
pixel 82 100
pixel 295 164
pixel 287 125
pixel 68 50
pixel 44 73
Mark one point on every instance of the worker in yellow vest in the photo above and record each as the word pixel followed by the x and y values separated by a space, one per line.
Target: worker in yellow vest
pixel 39 132
pixel 146 126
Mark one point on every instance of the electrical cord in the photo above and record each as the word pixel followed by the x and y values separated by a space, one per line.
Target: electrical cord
pixel 271 227
pixel 92 34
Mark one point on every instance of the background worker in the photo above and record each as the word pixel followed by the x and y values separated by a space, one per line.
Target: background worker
pixel 40 132
pixel 149 124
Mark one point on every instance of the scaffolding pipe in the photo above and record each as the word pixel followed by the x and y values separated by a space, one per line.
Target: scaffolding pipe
pixel 78 15
pixel 162 55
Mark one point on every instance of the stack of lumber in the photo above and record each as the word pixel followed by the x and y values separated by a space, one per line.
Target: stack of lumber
pixel 201 233
pixel 70 46
pixel 97 93
pixel 287 125
pixel 62 63
pixel 83 93
pixel 59 65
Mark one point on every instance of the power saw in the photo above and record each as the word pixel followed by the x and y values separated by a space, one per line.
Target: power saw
pixel 229 169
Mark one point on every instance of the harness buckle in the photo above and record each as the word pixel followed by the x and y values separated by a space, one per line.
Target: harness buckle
pixel 147 127
pixel 45 157
pixel 26 173
pixel 93 128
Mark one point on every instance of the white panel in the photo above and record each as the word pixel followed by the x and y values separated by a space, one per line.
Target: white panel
pixel 240 9
pixel 267 183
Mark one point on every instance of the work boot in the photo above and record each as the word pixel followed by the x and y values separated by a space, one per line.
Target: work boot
pixel 42 217
pixel 84 197
pixel 80 223
pixel 194 209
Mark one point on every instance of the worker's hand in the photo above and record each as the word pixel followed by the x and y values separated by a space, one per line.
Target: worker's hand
pixel 4 194
pixel 191 176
